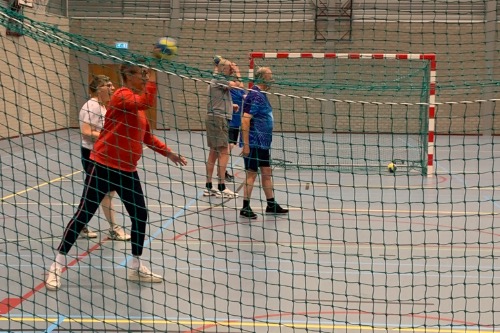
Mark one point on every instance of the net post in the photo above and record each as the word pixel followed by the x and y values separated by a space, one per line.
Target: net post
pixel 250 71
pixel 432 113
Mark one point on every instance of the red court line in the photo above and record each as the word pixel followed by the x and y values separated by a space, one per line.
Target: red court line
pixel 412 222
pixel 9 303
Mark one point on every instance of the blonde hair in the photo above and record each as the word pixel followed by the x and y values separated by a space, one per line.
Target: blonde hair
pixel 97 81
pixel 261 71
pixel 222 62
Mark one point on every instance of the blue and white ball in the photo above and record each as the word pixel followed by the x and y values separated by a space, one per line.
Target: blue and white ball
pixel 165 48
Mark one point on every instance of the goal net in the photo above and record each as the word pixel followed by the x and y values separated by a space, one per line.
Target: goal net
pixel 352 112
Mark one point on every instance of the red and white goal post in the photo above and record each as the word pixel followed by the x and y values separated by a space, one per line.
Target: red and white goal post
pixel 428 104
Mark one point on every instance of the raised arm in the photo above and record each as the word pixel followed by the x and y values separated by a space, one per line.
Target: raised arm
pixel 236 83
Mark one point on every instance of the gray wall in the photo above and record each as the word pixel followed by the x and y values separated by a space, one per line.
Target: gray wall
pixel 34 85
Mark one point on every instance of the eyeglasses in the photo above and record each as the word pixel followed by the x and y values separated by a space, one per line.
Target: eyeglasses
pixel 143 72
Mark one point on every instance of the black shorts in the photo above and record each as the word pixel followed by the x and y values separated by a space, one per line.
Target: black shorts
pixel 257 158
pixel 234 132
pixel 86 161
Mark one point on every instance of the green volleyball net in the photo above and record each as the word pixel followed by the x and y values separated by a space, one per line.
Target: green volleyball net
pixel 357 85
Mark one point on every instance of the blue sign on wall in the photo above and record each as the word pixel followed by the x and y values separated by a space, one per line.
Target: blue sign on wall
pixel 121 45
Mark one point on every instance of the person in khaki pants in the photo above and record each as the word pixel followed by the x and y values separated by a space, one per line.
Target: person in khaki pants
pixel 219 111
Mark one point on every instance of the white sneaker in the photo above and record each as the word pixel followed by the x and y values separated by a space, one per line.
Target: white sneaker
pixel 87 233
pixel 117 233
pixel 53 281
pixel 211 192
pixel 227 193
pixel 143 274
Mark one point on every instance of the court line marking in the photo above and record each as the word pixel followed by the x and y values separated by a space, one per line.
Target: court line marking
pixel 39 186
pixel 166 224
pixel 321 184
pixel 9 303
pixel 313 184
pixel 160 229
pixel 36 187
pixel 293 271
pixel 240 323
pixel 55 325
pixel 463 181
pixel 411 212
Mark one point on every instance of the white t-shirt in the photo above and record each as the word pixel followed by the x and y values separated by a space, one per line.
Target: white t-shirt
pixel 92 113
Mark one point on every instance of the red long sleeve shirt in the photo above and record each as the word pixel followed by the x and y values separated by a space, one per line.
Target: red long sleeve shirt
pixel 126 129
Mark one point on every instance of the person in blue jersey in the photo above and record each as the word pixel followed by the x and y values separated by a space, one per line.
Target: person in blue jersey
pixel 257 132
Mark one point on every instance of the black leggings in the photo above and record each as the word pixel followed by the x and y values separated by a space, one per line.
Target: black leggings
pixel 101 180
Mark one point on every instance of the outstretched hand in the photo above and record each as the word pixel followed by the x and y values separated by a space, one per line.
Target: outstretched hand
pixel 177 158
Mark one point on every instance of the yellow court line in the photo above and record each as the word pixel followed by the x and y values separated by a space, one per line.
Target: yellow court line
pixel 39 185
pixel 236 324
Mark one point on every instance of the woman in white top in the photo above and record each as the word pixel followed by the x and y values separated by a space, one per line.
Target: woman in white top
pixel 91 118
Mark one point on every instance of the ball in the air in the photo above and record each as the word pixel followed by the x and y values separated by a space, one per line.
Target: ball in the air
pixel 165 48
pixel 391 167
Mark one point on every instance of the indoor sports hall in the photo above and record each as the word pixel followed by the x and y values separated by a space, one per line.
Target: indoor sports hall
pixel 384 147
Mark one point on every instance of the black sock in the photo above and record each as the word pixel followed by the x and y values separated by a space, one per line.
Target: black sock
pixel 271 202
pixel 246 203
pixel 222 187
pixel 208 185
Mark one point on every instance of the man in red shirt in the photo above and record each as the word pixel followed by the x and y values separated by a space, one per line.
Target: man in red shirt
pixel 115 156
